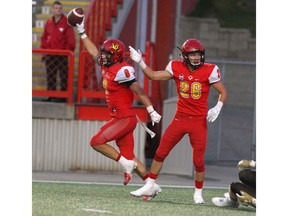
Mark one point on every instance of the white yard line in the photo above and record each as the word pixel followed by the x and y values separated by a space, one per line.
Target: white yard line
pixel 117 184
pixel 96 210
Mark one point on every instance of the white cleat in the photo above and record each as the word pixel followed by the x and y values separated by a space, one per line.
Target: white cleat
pixel 128 169
pixel 148 191
pixel 198 199
pixel 226 195
pixel 157 188
pixel 225 202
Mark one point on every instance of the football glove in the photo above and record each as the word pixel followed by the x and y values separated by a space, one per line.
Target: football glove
pixel 81 27
pixel 246 199
pixel 136 56
pixel 214 112
pixel 155 117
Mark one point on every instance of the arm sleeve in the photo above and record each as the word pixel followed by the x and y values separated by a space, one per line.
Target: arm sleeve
pixel 125 74
pixel 215 75
pixel 169 68
pixel 129 83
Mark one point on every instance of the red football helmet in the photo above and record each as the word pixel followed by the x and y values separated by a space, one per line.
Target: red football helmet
pixel 113 47
pixel 192 46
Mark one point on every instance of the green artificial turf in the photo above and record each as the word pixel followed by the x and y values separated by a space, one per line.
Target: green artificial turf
pixel 65 199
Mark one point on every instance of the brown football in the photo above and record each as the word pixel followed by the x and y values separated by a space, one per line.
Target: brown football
pixel 75 16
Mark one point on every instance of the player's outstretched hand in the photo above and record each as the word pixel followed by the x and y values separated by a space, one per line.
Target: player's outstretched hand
pixel 213 113
pixel 155 117
pixel 136 56
pixel 243 164
pixel 81 27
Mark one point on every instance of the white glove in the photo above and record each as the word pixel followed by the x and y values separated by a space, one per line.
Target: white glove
pixel 214 112
pixel 81 27
pixel 136 56
pixel 155 117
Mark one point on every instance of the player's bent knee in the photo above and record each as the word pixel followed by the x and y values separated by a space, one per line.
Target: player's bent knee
pixel 159 158
pixel 199 165
pixel 235 187
pixel 97 141
pixel 200 168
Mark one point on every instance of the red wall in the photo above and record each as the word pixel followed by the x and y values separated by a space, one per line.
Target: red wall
pixel 128 34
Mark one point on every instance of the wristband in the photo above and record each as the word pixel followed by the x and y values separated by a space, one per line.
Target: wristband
pixel 142 64
pixel 83 35
pixel 150 109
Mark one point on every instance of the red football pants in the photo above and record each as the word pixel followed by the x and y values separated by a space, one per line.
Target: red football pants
pixel 120 130
pixel 195 127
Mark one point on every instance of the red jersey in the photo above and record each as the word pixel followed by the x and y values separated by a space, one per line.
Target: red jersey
pixel 58 35
pixel 118 95
pixel 193 87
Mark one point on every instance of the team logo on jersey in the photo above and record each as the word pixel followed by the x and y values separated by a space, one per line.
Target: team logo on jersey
pixel 181 77
pixel 61 29
pixel 190 77
pixel 105 74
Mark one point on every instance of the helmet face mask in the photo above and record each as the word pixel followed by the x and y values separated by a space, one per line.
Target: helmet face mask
pixel 111 52
pixel 105 58
pixel 193 47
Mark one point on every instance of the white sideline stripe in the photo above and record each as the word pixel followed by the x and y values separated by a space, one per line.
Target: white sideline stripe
pixel 96 210
pixel 117 184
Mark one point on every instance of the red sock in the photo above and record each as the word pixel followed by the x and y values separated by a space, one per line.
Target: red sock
pixel 145 177
pixel 118 158
pixel 199 184
pixel 153 176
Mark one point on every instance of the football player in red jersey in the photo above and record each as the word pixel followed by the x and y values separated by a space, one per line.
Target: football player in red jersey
pixel 120 85
pixel 193 78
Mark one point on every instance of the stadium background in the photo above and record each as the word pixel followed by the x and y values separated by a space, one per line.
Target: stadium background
pixel 231 138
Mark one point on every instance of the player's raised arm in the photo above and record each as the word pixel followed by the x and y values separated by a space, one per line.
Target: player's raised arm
pixel 89 45
pixel 136 56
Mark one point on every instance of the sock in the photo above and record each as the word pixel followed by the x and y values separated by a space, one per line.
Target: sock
pixel 198 184
pixel 144 178
pixel 150 181
pixel 118 158
pixel 153 176
pixel 123 161
pixel 198 191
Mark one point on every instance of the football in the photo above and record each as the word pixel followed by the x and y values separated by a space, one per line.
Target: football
pixel 75 16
